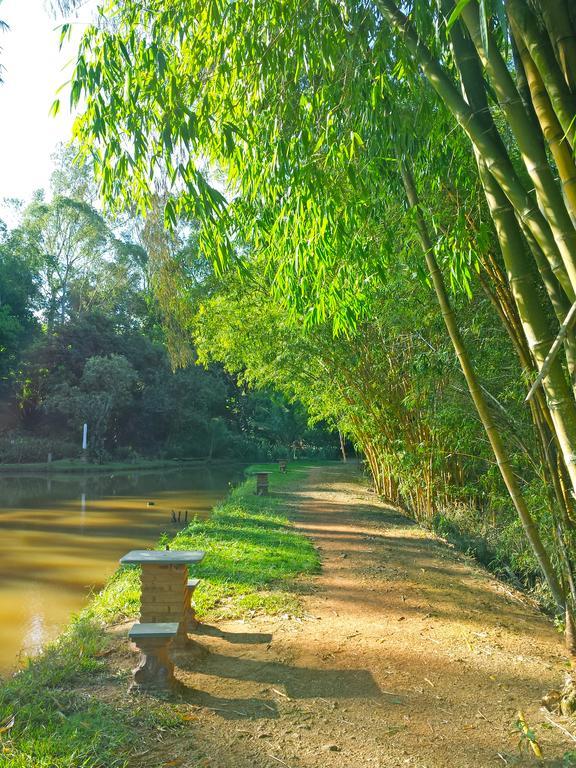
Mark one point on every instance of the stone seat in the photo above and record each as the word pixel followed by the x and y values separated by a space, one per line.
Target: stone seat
pixel 153 629
pixel 192 621
pixel 155 672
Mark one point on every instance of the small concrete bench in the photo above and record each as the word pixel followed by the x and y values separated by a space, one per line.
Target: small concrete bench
pixel 191 585
pixel 155 672
pixel 262 483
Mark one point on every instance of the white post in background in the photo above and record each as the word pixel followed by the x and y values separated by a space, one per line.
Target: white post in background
pixel 84 441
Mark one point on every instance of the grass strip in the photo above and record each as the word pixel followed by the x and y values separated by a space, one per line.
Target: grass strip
pixel 253 556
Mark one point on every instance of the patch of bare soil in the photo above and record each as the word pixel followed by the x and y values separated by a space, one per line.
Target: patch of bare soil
pixel 408 655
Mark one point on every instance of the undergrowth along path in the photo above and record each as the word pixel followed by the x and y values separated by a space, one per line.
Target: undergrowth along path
pixel 407 654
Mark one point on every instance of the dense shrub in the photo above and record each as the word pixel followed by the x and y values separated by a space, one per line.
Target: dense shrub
pixel 19 448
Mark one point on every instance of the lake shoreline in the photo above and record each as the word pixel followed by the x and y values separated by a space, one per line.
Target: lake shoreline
pixel 64 532
pixel 76 466
pixel 257 563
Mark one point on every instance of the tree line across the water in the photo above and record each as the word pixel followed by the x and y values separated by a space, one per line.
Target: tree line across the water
pixel 82 340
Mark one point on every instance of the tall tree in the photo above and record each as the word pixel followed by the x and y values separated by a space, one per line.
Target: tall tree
pixel 68 239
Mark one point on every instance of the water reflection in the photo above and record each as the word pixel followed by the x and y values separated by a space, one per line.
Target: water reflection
pixel 35 628
pixel 62 535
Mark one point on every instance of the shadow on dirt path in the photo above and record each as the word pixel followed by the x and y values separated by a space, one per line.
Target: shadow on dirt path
pixel 408 655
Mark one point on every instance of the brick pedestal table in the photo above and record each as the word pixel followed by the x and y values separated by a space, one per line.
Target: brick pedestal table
pixel 165 588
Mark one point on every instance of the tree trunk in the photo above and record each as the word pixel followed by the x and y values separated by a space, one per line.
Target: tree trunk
pixel 551 128
pixel 478 397
pixel 525 27
pixel 496 160
pixel 533 153
pixel 342 446
pixel 562 32
pixel 558 394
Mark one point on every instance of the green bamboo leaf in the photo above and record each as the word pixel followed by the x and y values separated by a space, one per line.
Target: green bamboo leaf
pixel 170 213
pixel 55 108
pixel 124 51
pixel 75 92
pixel 455 15
pixel 65 32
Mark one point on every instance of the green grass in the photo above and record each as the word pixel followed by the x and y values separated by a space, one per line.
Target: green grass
pixel 57 724
pixel 77 465
pixel 253 558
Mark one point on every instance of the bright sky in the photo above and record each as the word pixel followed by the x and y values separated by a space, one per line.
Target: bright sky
pixel 34 70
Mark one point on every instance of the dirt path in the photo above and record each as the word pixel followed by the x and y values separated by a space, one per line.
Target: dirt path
pixel 408 656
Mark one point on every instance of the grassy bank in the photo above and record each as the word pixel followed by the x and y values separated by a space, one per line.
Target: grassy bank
pixel 78 466
pixel 61 717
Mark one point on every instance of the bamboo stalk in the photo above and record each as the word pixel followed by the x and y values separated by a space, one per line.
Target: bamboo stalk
pixel 558 298
pixel 496 160
pixel 563 35
pixel 559 396
pixel 477 395
pixel 524 91
pixel 551 127
pixel 551 457
pixel 565 328
pixel 562 413
pixel 525 27
pixel 533 153
pixel 560 399
pixel 552 461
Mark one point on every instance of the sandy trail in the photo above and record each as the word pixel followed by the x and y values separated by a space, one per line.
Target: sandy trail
pixel 408 655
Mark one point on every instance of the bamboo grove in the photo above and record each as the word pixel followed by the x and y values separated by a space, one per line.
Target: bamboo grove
pixel 333 150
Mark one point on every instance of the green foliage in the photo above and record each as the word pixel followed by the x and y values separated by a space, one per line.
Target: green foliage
pixel 103 396
pixel 18 295
pixel 122 384
pixel 87 335
pixel 307 112
pixel 395 388
pixel 18 448
pixel 316 84
pixel 67 240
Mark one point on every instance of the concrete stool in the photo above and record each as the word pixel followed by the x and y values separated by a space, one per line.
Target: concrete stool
pixel 262 483
pixel 155 672
pixel 191 620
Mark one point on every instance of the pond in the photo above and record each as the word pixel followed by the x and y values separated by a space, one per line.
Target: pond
pixel 62 535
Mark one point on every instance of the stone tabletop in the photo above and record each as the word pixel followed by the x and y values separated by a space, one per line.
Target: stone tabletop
pixel 162 557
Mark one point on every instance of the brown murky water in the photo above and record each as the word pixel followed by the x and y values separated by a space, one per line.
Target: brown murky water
pixel 61 537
